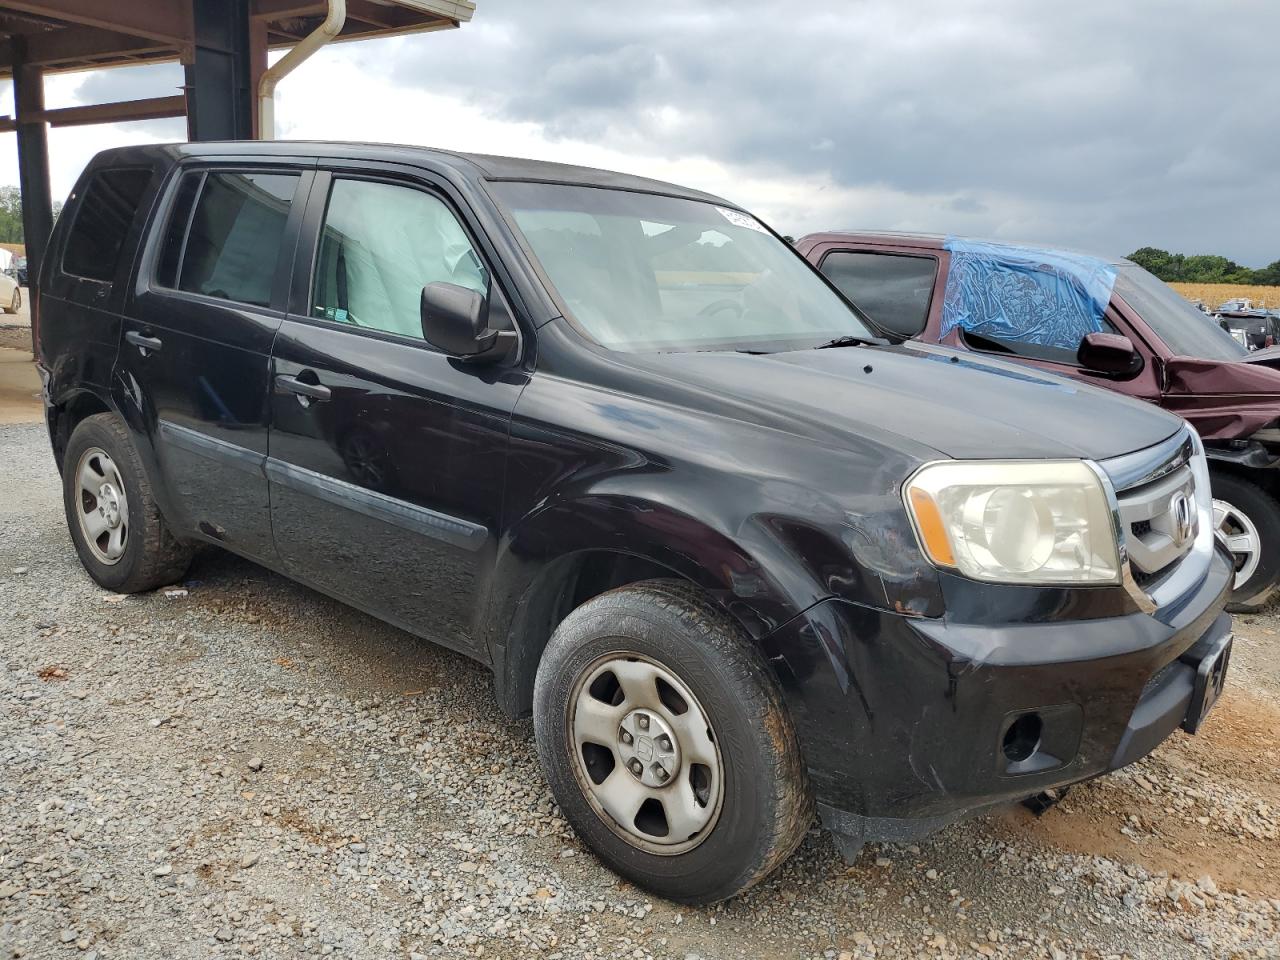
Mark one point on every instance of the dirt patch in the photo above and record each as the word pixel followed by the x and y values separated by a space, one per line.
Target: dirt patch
pixel 16 338
pixel 1208 804
pixel 19 384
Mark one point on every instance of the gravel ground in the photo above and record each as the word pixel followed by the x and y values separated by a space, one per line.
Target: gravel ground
pixel 253 769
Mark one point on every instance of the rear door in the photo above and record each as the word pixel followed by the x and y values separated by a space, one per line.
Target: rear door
pixel 85 275
pixel 388 457
pixel 195 359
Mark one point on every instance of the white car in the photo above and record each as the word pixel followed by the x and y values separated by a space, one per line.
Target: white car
pixel 10 294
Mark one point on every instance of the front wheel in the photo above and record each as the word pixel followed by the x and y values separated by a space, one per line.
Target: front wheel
pixel 15 302
pixel 667 744
pixel 1249 519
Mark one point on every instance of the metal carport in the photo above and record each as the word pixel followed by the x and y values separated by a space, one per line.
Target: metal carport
pixel 222 45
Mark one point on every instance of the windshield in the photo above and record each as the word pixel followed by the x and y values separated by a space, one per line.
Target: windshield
pixel 1185 330
pixel 641 272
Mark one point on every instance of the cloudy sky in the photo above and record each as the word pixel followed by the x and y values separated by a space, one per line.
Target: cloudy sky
pixel 1095 124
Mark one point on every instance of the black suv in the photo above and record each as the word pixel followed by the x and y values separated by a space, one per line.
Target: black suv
pixel 618 441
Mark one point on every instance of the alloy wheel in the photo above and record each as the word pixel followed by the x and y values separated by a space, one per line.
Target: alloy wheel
pixel 1242 539
pixel 645 754
pixel 103 507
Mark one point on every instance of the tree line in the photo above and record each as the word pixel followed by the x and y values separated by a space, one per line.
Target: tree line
pixel 1202 268
pixel 11 215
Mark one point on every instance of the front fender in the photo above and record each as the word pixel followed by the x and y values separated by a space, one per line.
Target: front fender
pixel 690 548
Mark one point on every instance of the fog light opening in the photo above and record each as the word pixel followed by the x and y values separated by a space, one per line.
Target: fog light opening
pixel 1022 739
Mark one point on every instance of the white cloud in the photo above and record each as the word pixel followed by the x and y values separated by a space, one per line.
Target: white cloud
pixel 1094 125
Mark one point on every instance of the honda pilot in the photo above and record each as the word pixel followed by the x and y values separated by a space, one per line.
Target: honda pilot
pixel 616 440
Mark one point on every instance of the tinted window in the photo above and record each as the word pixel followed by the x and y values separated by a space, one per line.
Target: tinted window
pixel 235 237
pixel 381 245
pixel 106 210
pixel 892 290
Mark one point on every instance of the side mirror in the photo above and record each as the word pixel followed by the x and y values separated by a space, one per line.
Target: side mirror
pixel 1108 353
pixel 456 319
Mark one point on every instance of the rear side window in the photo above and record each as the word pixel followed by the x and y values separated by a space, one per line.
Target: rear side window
pixel 106 211
pixel 228 245
pixel 893 290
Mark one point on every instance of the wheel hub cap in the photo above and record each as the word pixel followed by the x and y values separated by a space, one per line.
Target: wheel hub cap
pixel 648 748
pixel 645 754
pixel 103 507
pixel 109 505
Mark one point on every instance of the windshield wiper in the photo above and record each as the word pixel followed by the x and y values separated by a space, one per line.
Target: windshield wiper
pixel 850 340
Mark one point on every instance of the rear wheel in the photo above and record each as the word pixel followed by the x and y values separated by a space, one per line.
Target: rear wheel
pixel 667 745
pixel 115 524
pixel 15 302
pixel 1249 519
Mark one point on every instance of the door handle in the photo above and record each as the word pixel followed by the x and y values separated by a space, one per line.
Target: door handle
pixel 143 342
pixel 304 390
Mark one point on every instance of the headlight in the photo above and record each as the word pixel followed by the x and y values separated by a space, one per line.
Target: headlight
pixel 1045 522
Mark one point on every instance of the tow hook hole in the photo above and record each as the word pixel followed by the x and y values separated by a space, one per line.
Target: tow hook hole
pixel 1022 739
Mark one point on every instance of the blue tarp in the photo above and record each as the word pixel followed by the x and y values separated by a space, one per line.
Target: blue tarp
pixel 1050 298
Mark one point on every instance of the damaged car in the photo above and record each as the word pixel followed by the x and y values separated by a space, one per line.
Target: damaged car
pixel 617 441
pixel 1100 321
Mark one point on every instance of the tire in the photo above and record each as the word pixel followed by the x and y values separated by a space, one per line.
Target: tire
pixel 147 554
pixel 761 799
pixel 1239 505
pixel 15 302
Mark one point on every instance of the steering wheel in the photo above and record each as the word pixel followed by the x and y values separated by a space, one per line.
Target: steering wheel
pixel 725 303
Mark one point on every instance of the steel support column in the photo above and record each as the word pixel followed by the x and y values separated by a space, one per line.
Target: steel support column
pixel 219 91
pixel 33 162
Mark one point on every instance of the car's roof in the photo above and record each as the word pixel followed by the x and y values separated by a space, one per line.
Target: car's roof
pixel 479 165
pixel 936 241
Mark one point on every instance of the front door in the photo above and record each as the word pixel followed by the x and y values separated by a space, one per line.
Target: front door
pixel 197 345
pixel 387 457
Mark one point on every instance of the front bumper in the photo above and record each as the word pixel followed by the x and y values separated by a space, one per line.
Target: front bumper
pixel 908 724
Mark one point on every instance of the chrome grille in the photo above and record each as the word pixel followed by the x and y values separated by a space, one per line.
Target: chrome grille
pixel 1159 521
pixel 1156 501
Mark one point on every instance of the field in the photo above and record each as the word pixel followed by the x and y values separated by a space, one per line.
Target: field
pixel 1215 293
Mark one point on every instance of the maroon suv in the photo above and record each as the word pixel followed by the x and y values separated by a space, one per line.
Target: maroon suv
pixel 1107 322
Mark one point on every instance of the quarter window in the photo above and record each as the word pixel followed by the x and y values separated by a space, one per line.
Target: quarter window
pixel 107 209
pixel 893 290
pixel 381 245
pixel 236 232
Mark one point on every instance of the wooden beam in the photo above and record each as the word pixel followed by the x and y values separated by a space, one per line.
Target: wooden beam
pixel 168 21
pixel 370 11
pixel 78 44
pixel 154 108
pixel 282 9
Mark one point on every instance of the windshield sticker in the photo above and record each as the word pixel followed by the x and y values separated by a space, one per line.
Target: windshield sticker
pixel 740 219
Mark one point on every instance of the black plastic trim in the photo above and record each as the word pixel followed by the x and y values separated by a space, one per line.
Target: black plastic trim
pixel 430 523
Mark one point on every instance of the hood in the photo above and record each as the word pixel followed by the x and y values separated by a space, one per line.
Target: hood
pixel 1226 399
pixel 953 402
